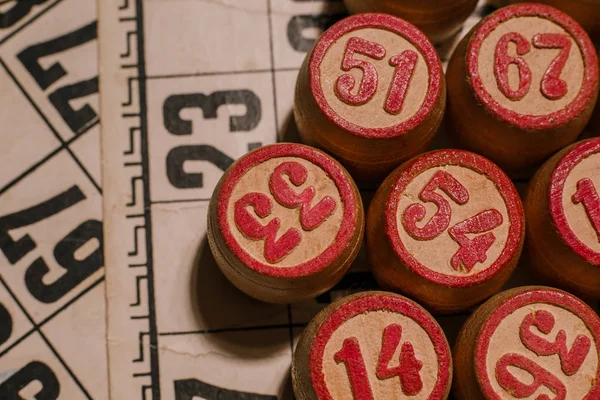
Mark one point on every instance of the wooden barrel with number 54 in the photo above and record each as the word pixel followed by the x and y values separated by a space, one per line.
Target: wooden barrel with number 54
pixel 445 228
pixel 521 86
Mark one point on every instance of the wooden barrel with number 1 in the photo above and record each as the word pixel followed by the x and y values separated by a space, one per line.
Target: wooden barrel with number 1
pixel 562 207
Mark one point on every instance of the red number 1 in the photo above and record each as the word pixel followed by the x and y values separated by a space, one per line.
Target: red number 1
pixel 586 193
pixel 405 64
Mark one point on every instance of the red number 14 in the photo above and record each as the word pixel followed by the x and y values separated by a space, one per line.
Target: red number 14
pixel 407 369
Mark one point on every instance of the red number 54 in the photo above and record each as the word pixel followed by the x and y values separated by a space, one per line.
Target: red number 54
pixel 471 251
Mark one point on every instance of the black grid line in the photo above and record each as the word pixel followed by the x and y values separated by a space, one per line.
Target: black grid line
pixel 70 302
pixel 270 23
pixel 145 156
pixel 39 163
pixel 45 339
pixel 179 201
pixel 16 343
pixel 52 128
pixel 230 330
pixel 224 73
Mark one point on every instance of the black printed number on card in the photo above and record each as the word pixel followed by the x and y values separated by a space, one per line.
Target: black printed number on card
pixel 299 25
pixel 19 10
pixel 209 104
pixel 6 324
pixel 47 386
pixel 67 251
pixel 77 119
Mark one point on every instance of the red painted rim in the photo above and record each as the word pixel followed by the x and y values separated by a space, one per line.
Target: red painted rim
pixel 335 172
pixel 534 122
pixel 550 296
pixel 555 191
pixel 380 302
pixel 394 25
pixel 478 164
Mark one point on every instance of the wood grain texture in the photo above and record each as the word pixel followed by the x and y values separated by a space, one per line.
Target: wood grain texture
pixel 369 141
pixel 425 268
pixel 479 121
pixel 439 20
pixel 316 266
pixel 547 249
pixel 503 329
pixel 372 319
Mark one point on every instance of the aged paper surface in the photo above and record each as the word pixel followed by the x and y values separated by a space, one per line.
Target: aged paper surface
pixel 52 304
pixel 187 87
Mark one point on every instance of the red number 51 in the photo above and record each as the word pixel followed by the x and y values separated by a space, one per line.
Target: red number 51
pixel 404 62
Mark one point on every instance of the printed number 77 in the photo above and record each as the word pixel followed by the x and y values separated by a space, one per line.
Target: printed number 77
pixel 404 62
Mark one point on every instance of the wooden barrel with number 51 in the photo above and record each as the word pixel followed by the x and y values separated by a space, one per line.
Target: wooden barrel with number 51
pixel 371 93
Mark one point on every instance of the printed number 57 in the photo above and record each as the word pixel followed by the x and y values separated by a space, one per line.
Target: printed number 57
pixel 404 62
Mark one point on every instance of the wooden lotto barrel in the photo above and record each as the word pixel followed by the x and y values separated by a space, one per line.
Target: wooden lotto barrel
pixel 285 222
pixel 372 345
pixel 438 19
pixel 371 93
pixel 529 342
pixel 562 207
pixel 445 228
pixel 522 85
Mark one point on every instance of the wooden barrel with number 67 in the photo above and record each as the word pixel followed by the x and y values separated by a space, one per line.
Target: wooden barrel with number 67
pixel 522 85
